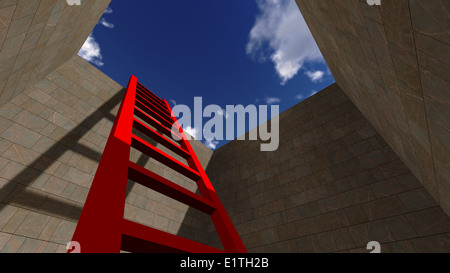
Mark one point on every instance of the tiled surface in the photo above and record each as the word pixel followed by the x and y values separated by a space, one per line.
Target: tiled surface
pixel 37 36
pixel 48 155
pixel 332 186
pixel 392 61
pixel 52 138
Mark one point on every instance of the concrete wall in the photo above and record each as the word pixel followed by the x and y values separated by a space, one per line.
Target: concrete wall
pixel 37 36
pixel 392 62
pixel 52 136
pixel 332 186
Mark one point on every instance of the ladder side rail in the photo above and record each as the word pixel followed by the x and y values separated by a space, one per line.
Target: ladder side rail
pixel 99 229
pixel 228 235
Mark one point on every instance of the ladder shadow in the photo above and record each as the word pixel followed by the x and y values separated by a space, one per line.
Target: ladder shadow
pixel 207 235
pixel 15 190
pixel 142 160
pixel 15 193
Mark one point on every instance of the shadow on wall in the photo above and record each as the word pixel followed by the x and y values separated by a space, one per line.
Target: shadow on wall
pixel 68 142
pixel 207 236
pixel 16 193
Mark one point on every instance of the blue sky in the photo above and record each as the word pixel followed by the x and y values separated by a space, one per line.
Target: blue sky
pixel 227 52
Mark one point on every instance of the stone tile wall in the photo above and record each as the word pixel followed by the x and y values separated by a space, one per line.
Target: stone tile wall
pixel 332 186
pixel 52 136
pixel 37 36
pixel 392 61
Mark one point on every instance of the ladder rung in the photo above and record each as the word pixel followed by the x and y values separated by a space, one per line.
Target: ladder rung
pixel 160 139
pixel 150 93
pixel 143 239
pixel 164 158
pixel 145 98
pixel 152 101
pixel 157 183
pixel 152 113
pixel 150 105
pixel 139 113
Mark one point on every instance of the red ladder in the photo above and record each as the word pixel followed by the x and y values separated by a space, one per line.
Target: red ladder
pixel 102 227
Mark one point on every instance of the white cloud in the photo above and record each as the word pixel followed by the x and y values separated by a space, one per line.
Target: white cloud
pixel 313 92
pixel 192 131
pixel 173 102
pixel 268 100
pixel 91 52
pixel 195 133
pixel 212 144
pixel 108 10
pixel 105 23
pixel 315 76
pixel 299 97
pixel 271 100
pixel 281 27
